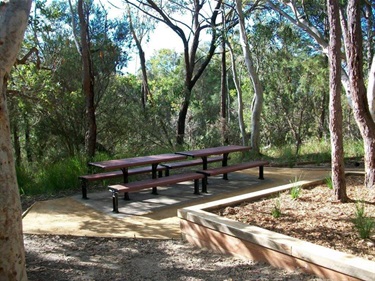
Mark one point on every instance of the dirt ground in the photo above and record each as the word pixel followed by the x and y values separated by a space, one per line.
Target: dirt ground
pixel 315 217
pixel 81 258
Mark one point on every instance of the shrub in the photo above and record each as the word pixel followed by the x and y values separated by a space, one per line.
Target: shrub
pixel 276 210
pixel 363 224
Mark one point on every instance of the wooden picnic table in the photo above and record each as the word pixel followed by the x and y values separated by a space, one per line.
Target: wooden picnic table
pixel 220 150
pixel 126 163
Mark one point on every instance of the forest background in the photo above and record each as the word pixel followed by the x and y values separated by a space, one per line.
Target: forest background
pixel 58 123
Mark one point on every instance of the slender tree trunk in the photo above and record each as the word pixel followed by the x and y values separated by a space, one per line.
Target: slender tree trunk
pixel 13 21
pixel 224 95
pixel 87 82
pixel 182 116
pixel 239 96
pixel 257 104
pixel 357 87
pixel 146 93
pixel 335 109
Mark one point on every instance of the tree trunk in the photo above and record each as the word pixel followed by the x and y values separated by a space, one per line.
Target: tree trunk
pixel 13 21
pixel 87 82
pixel 12 263
pixel 335 109
pixel 182 116
pixel 239 96
pixel 257 104
pixel 357 87
pixel 146 93
pixel 224 95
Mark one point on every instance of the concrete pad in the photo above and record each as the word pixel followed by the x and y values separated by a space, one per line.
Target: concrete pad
pixel 146 215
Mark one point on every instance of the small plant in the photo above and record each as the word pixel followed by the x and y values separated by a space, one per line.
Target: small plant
pixel 276 210
pixel 329 182
pixel 296 190
pixel 363 224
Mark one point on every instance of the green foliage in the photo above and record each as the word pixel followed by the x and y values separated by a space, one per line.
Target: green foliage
pixel 362 223
pixel 354 149
pixel 296 190
pixel 284 154
pixel 312 151
pixel 329 182
pixel 48 114
pixel 52 178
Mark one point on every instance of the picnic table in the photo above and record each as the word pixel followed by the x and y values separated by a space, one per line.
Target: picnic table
pixel 220 150
pixel 159 163
pixel 126 163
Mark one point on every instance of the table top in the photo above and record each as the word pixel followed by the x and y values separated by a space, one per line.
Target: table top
pixel 215 150
pixel 137 161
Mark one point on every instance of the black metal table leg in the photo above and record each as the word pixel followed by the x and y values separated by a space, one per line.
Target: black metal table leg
pixel 154 176
pixel 224 164
pixel 115 201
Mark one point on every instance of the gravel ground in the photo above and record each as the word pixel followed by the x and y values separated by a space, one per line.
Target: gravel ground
pixel 55 258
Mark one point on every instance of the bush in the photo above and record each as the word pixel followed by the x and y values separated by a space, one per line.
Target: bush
pixel 36 179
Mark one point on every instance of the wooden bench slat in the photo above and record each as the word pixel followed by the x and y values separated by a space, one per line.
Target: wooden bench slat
pixel 143 184
pixel 114 174
pixel 153 183
pixel 118 173
pixel 233 168
pixel 189 163
pixel 101 176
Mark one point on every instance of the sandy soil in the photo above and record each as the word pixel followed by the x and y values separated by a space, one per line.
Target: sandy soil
pixel 81 258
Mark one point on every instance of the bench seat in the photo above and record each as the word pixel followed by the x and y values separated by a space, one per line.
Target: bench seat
pixel 232 168
pixel 189 163
pixel 153 183
pixel 85 179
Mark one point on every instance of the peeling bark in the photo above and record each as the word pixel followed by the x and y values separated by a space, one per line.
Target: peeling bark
pixel 13 21
pixel 335 109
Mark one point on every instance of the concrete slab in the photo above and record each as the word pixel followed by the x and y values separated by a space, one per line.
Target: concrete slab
pixel 146 215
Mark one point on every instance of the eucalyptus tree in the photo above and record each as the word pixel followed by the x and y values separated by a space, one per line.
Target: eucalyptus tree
pixel 237 84
pixel 188 19
pixel 13 21
pixel 334 54
pixel 88 43
pixel 257 85
pixel 166 79
pixel 353 41
pixel 140 28
pixel 51 80
pixel 310 17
